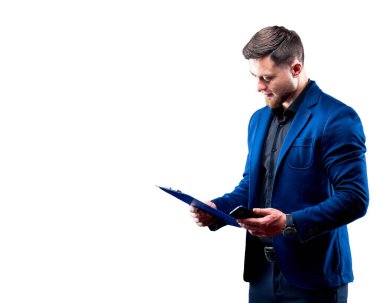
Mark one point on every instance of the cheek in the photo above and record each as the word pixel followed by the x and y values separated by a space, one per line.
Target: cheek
pixel 274 88
pixel 281 87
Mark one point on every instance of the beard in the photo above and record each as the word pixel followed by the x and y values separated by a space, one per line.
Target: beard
pixel 276 101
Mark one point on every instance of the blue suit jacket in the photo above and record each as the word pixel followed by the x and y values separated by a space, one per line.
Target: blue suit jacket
pixel 321 179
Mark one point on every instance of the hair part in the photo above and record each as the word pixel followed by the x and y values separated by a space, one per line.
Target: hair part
pixel 281 44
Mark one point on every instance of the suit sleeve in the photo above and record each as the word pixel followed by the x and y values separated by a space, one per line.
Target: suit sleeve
pixel 343 156
pixel 239 196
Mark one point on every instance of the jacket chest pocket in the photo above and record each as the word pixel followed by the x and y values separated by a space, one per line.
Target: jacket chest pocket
pixel 300 154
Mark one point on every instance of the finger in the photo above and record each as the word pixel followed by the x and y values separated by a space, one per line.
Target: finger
pixel 262 211
pixel 194 215
pixel 204 223
pixel 255 233
pixel 198 210
pixel 209 220
pixel 248 226
pixel 249 223
pixel 252 229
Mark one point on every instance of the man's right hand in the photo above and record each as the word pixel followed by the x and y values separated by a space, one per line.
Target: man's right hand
pixel 202 218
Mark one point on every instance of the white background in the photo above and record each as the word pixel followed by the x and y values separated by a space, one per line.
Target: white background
pixel 101 100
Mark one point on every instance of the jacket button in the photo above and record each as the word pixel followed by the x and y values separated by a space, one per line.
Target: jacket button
pixel 313 230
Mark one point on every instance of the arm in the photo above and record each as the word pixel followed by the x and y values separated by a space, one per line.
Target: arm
pixel 229 201
pixel 240 195
pixel 342 148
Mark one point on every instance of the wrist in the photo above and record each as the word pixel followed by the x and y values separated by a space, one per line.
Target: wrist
pixel 290 227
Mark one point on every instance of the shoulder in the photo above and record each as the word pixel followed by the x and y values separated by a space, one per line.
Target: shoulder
pixel 339 121
pixel 328 105
pixel 258 114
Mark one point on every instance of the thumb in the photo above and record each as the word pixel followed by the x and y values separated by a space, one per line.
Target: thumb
pixel 261 211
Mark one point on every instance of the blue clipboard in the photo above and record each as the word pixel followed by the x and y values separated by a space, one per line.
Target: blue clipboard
pixel 196 203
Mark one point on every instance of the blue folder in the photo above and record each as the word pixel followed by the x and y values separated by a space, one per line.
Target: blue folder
pixel 221 216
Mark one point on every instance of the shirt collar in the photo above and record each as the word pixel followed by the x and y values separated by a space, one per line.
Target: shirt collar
pixel 292 109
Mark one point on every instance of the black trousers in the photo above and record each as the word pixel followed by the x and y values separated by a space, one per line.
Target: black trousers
pixel 274 288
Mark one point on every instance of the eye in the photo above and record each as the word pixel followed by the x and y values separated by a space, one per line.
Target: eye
pixel 267 79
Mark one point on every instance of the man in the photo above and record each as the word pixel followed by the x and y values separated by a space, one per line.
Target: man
pixel 305 176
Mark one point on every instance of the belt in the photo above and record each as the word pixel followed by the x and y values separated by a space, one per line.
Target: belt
pixel 269 254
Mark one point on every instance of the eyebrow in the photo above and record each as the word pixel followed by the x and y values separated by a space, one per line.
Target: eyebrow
pixel 266 75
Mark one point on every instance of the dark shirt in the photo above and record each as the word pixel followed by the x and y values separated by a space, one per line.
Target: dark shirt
pixel 278 128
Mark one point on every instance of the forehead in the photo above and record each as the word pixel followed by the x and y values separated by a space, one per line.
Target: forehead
pixel 263 66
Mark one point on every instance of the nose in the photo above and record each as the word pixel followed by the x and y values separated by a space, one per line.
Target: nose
pixel 261 85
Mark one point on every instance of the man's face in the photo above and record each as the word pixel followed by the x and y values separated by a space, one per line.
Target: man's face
pixel 276 83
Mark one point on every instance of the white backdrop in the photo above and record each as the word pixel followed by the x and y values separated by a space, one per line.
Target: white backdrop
pixel 101 100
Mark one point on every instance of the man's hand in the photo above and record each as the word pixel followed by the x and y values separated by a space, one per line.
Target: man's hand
pixel 201 217
pixel 271 223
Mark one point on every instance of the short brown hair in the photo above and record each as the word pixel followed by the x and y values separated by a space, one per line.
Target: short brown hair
pixel 281 44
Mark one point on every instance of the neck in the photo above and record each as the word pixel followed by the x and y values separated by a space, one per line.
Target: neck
pixel 303 79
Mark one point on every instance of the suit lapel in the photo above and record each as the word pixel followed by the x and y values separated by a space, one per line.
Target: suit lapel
pixel 301 118
pixel 259 137
pixel 298 124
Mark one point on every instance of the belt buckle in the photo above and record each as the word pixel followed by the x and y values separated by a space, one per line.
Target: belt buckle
pixel 269 254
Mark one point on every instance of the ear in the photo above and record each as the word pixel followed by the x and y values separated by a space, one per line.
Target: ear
pixel 296 69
